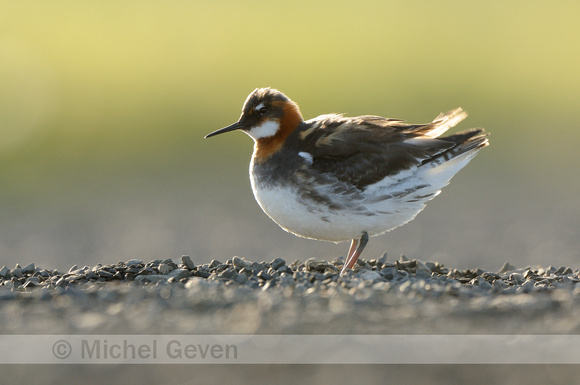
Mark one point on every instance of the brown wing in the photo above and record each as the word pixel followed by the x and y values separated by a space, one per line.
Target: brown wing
pixel 366 149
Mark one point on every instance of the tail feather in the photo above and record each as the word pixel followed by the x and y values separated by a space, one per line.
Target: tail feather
pixel 444 122
pixel 464 141
pixel 448 163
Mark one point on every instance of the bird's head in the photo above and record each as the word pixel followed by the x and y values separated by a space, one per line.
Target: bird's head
pixel 267 114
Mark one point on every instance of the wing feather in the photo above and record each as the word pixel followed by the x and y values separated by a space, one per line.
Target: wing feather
pixel 363 150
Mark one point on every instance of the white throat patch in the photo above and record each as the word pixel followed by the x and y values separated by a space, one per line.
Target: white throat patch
pixel 267 129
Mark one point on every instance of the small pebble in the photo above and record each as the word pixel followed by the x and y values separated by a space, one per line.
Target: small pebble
pixel 104 274
pixel 389 273
pixel 406 265
pixel 240 263
pixel 4 272
pixel 370 275
pixel 263 275
pixel 163 268
pixel 421 266
pixel 241 279
pixel 17 272
pixel 507 267
pixel 186 260
pixel 91 275
pixel 29 269
pixel 383 259
pixel 277 263
pixel 151 278
pixel 313 264
pixel 179 274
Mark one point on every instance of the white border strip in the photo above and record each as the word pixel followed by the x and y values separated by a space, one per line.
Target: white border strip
pixel 289 349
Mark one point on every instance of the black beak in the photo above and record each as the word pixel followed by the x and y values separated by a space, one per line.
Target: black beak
pixel 233 127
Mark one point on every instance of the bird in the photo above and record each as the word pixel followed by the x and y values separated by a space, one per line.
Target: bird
pixel 335 178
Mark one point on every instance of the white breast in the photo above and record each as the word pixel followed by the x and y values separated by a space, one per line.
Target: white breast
pixel 284 206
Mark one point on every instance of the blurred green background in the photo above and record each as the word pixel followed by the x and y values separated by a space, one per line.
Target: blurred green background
pixel 104 105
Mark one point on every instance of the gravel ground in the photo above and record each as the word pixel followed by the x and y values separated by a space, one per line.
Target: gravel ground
pixel 242 297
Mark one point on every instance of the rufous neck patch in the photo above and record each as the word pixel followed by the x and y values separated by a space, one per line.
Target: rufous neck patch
pixel 266 147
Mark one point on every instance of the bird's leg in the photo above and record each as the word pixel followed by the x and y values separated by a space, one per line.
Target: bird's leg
pixel 356 248
pixel 351 251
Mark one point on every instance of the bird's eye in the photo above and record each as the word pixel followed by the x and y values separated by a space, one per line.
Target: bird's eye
pixel 262 110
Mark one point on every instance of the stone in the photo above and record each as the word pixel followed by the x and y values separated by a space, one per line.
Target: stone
pixel 370 275
pixel 241 279
pixel 383 258
pixel 490 276
pixel 133 270
pixel 29 269
pixel 406 265
pixel 256 267
pixel 507 267
pixel 104 274
pixel 268 285
pixel 313 264
pixel 163 268
pixel 567 271
pixel 146 271
pixel 277 263
pixel 483 284
pixel 265 276
pixel 151 278
pixel 228 273
pixel 201 274
pixel 5 272
pixel 29 284
pixel 73 278
pixel 240 263
pixel 317 277
pixel 517 278
pixel 186 260
pixel 179 274
pixel 389 273
pixel 76 272
pixel 477 272
pixel 563 270
pixel 529 274
pixel 336 262
pixel 528 286
pixel 43 273
pixel 421 266
pixel 91 275
pixel 431 265
pixel 499 284
pixel 437 267
pixel 134 262
pixel 423 274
